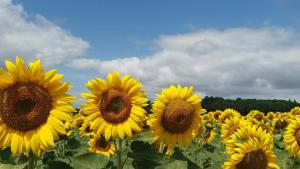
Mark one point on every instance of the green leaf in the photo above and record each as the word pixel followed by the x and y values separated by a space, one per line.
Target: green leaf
pixel 177 155
pixel 73 143
pixel 277 137
pixel 145 156
pixel 178 164
pixel 143 151
pixel 89 161
pixel 192 165
pixel 6 156
pixel 205 156
pixel 145 136
pixel 58 164
pixel 279 145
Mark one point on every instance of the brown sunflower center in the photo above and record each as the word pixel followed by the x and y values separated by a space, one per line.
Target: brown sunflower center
pixel 25 106
pixel 280 124
pixel 102 144
pixel 115 106
pixel 216 116
pixel 258 117
pixel 297 135
pixel 207 135
pixel 79 123
pixel 253 160
pixel 88 129
pixel 232 129
pixel 271 117
pixel 205 117
pixel 178 116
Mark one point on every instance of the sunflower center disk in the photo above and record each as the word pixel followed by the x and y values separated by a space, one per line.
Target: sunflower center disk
pixel 25 107
pixel 280 124
pixel 115 106
pixel 102 144
pixel 258 117
pixel 178 116
pixel 88 129
pixel 253 160
pixel 79 123
pixel 297 135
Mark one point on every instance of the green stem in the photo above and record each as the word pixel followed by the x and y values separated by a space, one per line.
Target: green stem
pixel 32 161
pixel 161 147
pixel 124 162
pixel 119 153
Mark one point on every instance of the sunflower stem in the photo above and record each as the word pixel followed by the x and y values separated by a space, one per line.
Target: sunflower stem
pixel 119 153
pixel 32 161
pixel 161 147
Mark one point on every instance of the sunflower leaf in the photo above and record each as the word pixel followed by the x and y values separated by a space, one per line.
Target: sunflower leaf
pixel 89 161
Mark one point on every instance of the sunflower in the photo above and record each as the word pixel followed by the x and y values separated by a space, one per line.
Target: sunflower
pixel 78 121
pixel 98 144
pixel 228 113
pixel 206 117
pixel 253 154
pixel 256 115
pixel 33 107
pixel 291 137
pixel 86 130
pixel 295 111
pixel 216 115
pixel 271 115
pixel 279 123
pixel 208 134
pixel 176 115
pixel 231 125
pixel 68 126
pixel 265 126
pixel 244 134
pixel 114 107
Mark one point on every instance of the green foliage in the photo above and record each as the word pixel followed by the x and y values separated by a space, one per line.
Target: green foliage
pixel 140 153
pixel 89 161
pixel 246 105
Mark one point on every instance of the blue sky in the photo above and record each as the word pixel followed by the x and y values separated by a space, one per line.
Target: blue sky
pixel 127 28
pixel 235 48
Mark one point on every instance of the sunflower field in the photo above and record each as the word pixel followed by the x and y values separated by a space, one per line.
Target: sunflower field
pixel 115 129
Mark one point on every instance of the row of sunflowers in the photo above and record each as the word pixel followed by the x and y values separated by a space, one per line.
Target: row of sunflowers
pixel 36 112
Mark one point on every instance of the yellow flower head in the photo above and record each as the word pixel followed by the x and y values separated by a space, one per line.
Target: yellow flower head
pixel 34 107
pixel 216 115
pixel 292 137
pixel 244 134
pixel 231 125
pixel 78 121
pixel 228 113
pixel 86 130
pixel 114 107
pixel 176 114
pixel 271 115
pixel 256 115
pixel 295 111
pixel 279 123
pixel 207 134
pixel 98 144
pixel 253 154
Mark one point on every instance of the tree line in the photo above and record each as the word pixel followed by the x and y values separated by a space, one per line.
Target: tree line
pixel 243 106
pixel 246 105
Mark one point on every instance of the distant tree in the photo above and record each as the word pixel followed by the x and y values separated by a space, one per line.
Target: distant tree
pixel 246 105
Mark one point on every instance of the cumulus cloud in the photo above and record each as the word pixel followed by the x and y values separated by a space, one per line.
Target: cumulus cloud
pixel 238 62
pixel 35 37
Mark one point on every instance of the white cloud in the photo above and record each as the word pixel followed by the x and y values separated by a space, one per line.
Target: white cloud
pixel 35 37
pixel 239 62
